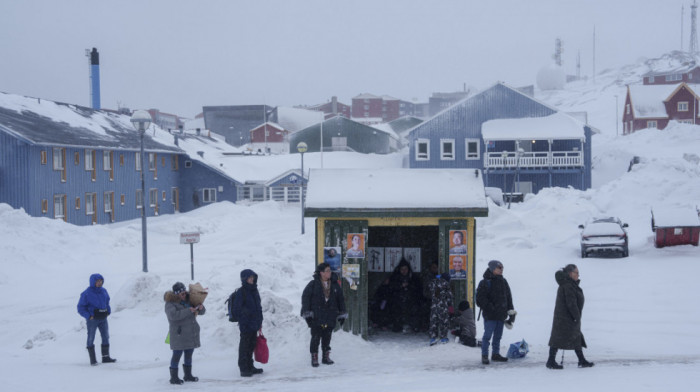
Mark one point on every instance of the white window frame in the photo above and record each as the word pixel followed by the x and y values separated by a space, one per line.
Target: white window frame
pixel 682 106
pixel 59 207
pixel 472 156
pixel 107 201
pixel 209 195
pixel 419 155
pixel 152 161
pixel 106 160
pixel 139 199
pixel 89 205
pixel 153 197
pixel 58 162
pixel 686 121
pixel 652 124
pixel 627 109
pixel 651 79
pixel 138 161
pixel 444 156
pixel 89 162
pixel 677 231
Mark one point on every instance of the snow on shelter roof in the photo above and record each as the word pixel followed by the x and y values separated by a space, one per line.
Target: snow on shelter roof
pixel 417 192
pixel 675 217
pixel 556 126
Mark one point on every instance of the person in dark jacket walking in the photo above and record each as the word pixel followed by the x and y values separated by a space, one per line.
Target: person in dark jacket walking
pixel 566 325
pixel 494 298
pixel 183 330
pixel 322 303
pixel 406 298
pixel 248 309
pixel 93 305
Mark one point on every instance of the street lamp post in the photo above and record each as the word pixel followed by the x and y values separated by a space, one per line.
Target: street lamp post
pixel 516 177
pixel 504 155
pixel 617 125
pixel 302 147
pixel 141 120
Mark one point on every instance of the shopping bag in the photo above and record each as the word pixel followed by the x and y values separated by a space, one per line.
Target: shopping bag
pixel 518 349
pixel 167 339
pixel 197 294
pixel 261 353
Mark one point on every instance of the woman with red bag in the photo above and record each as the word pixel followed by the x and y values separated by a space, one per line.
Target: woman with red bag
pixel 322 303
pixel 247 308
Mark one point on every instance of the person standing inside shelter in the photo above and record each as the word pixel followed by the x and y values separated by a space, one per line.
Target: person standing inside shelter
pixel 93 305
pixel 494 298
pixel 566 325
pixel 322 304
pixel 183 330
pixel 441 306
pixel 248 310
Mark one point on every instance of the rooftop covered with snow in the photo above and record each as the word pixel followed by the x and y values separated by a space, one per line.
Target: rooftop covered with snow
pixel 556 126
pixel 362 192
pixel 675 217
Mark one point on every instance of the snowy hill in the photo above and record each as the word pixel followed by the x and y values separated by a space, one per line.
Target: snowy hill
pixel 640 318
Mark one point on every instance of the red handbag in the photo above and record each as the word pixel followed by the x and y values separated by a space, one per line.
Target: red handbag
pixel 261 353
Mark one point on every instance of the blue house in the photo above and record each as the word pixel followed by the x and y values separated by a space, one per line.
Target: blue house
pixel 84 166
pixel 521 144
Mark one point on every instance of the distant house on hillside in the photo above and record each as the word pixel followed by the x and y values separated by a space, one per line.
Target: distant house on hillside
pixel 333 108
pixel 521 144
pixel 84 166
pixel 269 138
pixel 654 106
pixel 688 72
pixel 343 134
pixel 235 122
pixel 366 106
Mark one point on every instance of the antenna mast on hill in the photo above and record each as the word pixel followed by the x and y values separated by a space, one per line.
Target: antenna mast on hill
pixel 557 51
pixel 594 53
pixel 578 66
pixel 682 16
pixel 693 28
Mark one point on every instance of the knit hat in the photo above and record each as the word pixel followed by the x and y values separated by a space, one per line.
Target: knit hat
pixel 493 264
pixel 464 305
pixel 179 287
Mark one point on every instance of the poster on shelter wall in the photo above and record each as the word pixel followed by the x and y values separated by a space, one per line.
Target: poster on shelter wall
pixel 331 255
pixel 458 265
pixel 351 273
pixel 392 257
pixel 375 259
pixel 355 246
pixel 412 255
pixel 458 242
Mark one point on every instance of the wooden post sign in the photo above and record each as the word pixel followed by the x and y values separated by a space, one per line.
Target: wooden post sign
pixel 190 238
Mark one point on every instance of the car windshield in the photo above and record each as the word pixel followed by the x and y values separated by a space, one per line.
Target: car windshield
pixel 602 228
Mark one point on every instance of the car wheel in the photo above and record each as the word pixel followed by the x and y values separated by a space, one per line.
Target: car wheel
pixel 626 252
pixel 583 254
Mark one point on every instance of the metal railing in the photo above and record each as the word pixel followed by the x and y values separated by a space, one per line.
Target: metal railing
pixel 495 160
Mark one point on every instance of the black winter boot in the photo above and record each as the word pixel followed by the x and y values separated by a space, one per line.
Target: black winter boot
pixel 551 361
pixel 105 354
pixel 582 363
pixel 498 358
pixel 93 357
pixel 173 377
pixel 485 359
pixel 314 359
pixel 327 358
pixel 188 374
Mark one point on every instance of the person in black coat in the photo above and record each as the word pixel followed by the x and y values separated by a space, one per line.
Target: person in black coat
pixel 247 308
pixel 494 298
pixel 406 298
pixel 566 325
pixel 322 303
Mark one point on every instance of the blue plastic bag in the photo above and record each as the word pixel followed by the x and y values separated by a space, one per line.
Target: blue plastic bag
pixel 518 349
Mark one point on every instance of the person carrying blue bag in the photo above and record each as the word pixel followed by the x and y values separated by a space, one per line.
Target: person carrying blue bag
pixel 94 307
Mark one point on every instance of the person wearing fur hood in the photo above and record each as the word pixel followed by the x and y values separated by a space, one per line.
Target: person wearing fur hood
pixel 322 304
pixel 183 330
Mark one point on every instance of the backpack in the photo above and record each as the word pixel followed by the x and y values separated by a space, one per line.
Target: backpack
pixel 484 287
pixel 229 306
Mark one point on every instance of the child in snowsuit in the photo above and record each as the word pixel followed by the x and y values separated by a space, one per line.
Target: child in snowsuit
pixel 440 308
pixel 466 328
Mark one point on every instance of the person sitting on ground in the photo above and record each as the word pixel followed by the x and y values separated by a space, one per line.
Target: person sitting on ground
pixel 466 327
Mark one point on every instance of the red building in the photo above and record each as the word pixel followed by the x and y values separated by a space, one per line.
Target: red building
pixel 369 106
pixel 688 73
pixel 269 138
pixel 649 106
pixel 674 226
pixel 333 108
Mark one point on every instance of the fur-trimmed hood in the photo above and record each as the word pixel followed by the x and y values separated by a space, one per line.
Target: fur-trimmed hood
pixel 170 296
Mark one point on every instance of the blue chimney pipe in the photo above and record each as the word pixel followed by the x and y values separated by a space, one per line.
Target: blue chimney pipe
pixel 95 78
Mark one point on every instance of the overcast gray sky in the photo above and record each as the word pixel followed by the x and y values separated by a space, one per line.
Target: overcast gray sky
pixel 179 55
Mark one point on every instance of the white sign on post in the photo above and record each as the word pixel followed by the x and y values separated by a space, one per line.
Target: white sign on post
pixel 189 238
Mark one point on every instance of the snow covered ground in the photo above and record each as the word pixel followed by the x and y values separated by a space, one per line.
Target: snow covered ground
pixel 641 315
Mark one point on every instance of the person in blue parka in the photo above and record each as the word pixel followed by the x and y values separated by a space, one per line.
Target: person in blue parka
pixel 94 307
pixel 248 310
